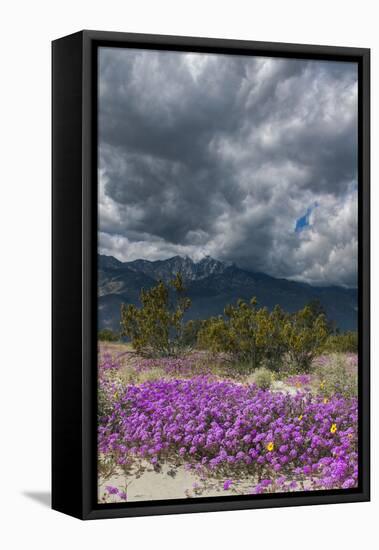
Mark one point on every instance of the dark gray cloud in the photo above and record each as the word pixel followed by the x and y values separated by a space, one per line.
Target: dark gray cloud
pixel 207 154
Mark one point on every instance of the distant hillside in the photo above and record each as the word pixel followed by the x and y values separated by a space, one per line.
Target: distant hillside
pixel 211 285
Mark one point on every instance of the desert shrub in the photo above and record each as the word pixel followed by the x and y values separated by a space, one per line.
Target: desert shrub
pixel 190 333
pixel 276 344
pixel 248 334
pixel 335 377
pixel 213 335
pixel 317 309
pixel 263 378
pixel 157 329
pixel 255 337
pixel 108 335
pixel 344 342
pixel 304 333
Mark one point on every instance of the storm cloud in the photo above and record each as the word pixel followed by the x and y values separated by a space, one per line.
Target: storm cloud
pixel 203 154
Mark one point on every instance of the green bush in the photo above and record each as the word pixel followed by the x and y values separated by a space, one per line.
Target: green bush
pixel 257 337
pixel 276 344
pixel 262 378
pixel 304 333
pixel 344 342
pixel 241 334
pixel 157 329
pixel 190 332
pixel 107 335
pixel 247 334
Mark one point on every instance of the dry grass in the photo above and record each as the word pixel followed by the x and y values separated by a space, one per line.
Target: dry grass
pixel 129 375
pixel 331 367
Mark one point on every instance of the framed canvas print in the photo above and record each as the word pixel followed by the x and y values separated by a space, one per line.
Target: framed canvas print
pixel 210 274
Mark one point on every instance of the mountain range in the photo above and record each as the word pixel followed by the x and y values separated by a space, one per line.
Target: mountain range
pixel 211 285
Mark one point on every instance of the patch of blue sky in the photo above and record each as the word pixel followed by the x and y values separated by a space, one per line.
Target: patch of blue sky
pixel 304 221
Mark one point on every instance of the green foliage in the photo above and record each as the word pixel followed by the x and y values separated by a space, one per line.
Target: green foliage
pixel 256 337
pixel 190 332
pixel 304 333
pixel 241 334
pixel 318 309
pixel 276 344
pixel 335 377
pixel 248 334
pixel 263 378
pixel 251 337
pixel 344 342
pixel 157 329
pixel 107 335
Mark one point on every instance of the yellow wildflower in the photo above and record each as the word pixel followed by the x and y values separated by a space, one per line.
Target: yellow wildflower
pixel 325 400
pixel 322 385
pixel 333 428
pixel 270 446
pixel 300 417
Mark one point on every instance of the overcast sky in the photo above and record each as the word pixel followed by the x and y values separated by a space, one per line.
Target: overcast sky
pixel 246 159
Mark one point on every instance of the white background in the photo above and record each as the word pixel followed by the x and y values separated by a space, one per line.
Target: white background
pixel 26 31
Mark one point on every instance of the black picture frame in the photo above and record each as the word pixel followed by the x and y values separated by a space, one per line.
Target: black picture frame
pixel 74 273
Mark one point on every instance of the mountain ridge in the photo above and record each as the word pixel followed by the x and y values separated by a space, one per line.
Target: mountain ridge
pixel 211 284
pixel 164 269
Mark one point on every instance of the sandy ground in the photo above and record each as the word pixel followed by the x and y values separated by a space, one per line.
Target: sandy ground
pixel 171 483
pixel 279 386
